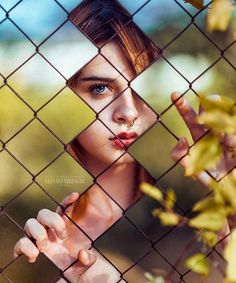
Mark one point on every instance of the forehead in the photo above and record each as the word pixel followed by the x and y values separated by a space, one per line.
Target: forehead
pixel 111 63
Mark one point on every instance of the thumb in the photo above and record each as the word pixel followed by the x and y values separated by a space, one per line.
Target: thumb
pixel 85 259
pixel 180 155
pixel 180 151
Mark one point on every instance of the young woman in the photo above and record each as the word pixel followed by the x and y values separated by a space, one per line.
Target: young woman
pixel 65 236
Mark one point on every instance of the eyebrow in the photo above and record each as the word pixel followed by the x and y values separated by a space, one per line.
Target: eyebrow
pixel 96 78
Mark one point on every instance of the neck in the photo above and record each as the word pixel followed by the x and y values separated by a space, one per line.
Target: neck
pixel 118 180
pixel 119 183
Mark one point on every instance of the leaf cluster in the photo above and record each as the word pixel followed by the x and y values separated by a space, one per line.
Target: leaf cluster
pixel 211 214
pixel 219 14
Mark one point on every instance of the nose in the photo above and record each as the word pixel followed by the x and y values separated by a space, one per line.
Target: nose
pixel 125 111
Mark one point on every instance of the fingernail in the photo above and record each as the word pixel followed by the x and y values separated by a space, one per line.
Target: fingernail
pixel 75 194
pixel 176 95
pixel 182 142
pixel 86 257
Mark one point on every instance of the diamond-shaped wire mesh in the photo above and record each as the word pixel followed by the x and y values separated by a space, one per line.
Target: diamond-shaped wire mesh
pixel 50 124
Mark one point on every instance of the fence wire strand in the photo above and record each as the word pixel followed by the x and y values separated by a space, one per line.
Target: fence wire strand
pixel 174 267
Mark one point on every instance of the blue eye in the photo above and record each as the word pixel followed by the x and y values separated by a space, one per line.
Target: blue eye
pixel 100 89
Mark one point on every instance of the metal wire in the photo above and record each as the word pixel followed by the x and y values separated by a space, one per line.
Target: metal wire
pixel 174 267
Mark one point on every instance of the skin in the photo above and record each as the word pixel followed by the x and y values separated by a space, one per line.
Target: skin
pixel 125 109
pixel 54 233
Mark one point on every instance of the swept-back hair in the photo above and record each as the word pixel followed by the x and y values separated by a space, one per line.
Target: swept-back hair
pixel 103 20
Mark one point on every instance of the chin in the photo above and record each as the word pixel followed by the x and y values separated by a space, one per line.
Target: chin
pixel 125 159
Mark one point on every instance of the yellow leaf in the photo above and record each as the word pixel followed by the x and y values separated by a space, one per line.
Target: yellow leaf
pixel 198 263
pixel 209 238
pixel 230 252
pixel 219 15
pixel 206 204
pixel 219 121
pixel 203 155
pixel 170 199
pixel 213 102
pixel 208 220
pixel 228 281
pixel 156 212
pixel 167 218
pixel 151 191
pixel 227 189
pixel 214 185
pixel 199 4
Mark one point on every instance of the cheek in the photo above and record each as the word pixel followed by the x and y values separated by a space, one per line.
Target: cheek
pixel 96 103
pixel 147 117
pixel 93 138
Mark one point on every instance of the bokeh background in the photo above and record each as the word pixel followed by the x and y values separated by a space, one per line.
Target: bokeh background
pixel 34 66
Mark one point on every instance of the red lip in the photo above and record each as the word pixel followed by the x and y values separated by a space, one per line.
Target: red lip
pixel 126 136
pixel 124 140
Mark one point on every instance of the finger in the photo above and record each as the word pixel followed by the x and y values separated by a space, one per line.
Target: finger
pixel 180 155
pixel 85 259
pixel 54 221
pixel 230 142
pixel 180 151
pixel 188 114
pixel 26 247
pixel 67 202
pixel 224 236
pixel 35 230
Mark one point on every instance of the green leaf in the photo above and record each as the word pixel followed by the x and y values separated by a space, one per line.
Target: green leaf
pixel 169 218
pixel 159 279
pixel 151 191
pixel 152 279
pixel 219 121
pixel 219 15
pixel 170 199
pixel 209 220
pixel 199 264
pixel 216 102
pixel 149 276
pixel 199 4
pixel 203 155
pixel 229 253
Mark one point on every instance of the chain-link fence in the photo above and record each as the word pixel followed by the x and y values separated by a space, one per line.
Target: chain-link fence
pixel 43 115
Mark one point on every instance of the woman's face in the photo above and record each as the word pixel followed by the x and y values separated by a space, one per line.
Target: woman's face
pixel 105 89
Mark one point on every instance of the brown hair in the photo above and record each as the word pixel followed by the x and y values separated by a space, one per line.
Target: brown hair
pixel 103 20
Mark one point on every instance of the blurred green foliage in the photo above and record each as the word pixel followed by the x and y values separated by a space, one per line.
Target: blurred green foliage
pixel 66 116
